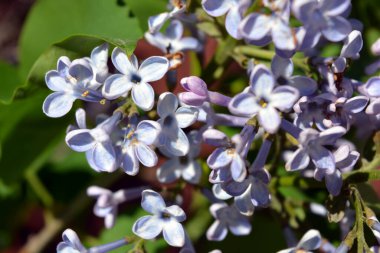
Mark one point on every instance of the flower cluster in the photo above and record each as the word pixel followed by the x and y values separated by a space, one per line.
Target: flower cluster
pixel 303 109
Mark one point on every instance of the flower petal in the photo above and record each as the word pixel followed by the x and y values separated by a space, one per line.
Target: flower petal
pixel 176 212
pixel 334 182
pixel 262 82
pixel 153 68
pixel 305 85
pixel 352 45
pixel 104 157
pixel 80 140
pixel 283 36
pixel 356 104
pixel 173 233
pixel 255 26
pixel 322 158
pixel 311 240
pixel 298 161
pixel 178 145
pixel 58 104
pixel 269 119
pixel 169 171
pixel 284 97
pixel 56 82
pixel 167 104
pixel 116 85
pixel 215 8
pixel 233 20
pixel 217 231
pixel 130 162
pixel 192 172
pixel 282 67
pixel 373 87
pixel 244 104
pixel 186 116
pixel 156 22
pixel 146 155
pixel 244 204
pixel 147 131
pixel 143 96
pixel 238 169
pixel 148 227
pixel 219 158
pixel 152 202
pixel 174 30
pixel 329 136
pixel 121 62
pixel 337 29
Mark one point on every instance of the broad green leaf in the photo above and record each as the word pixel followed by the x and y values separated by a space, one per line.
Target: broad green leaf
pixel 9 80
pixel 145 8
pixel 51 21
pixel 28 138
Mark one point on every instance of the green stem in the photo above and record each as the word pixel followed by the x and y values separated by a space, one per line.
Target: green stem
pixel 359 220
pixel 39 188
pixel 254 52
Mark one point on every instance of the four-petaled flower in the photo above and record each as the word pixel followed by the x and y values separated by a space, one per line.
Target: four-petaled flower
pixel 172 139
pixel 163 219
pixel 264 99
pixel 135 78
pixel 97 143
pixel 135 147
pixel 69 83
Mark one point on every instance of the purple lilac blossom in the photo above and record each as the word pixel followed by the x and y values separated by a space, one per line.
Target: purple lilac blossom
pixel 312 240
pixel 234 9
pixel 97 143
pixel 227 218
pixel 72 81
pixel 172 139
pixel 137 145
pixel 264 99
pixel 163 219
pixel 135 78
pixel 186 167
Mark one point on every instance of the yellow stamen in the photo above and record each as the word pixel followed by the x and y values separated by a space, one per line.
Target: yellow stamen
pixel 103 101
pixel 85 94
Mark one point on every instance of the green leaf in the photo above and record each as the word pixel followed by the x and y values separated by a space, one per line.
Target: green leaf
pixel 146 8
pixel 293 193
pixel 51 21
pixel 28 137
pixel 9 81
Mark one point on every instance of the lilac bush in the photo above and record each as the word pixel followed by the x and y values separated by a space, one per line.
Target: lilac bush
pixel 293 120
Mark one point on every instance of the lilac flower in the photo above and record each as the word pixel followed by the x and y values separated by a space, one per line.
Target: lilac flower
pixel 172 42
pixel 107 202
pixel 71 243
pixel 197 93
pixel 282 69
pixel 97 143
pixel 312 147
pixel 227 218
pixel 135 147
pixel 374 225
pixel 172 139
pixel 186 167
pixel 323 18
pixel 135 78
pixel 226 157
pixel 345 160
pixel 264 99
pixel 156 22
pixel 234 9
pixel 163 219
pixel 352 46
pixel 310 111
pixel 259 29
pixel 310 241
pixel 72 81
pixel 340 110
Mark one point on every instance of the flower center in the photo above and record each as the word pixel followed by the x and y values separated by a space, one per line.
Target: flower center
pixel 263 102
pixel 135 78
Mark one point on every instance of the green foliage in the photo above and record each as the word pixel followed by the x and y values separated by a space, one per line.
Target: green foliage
pixel 52 21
